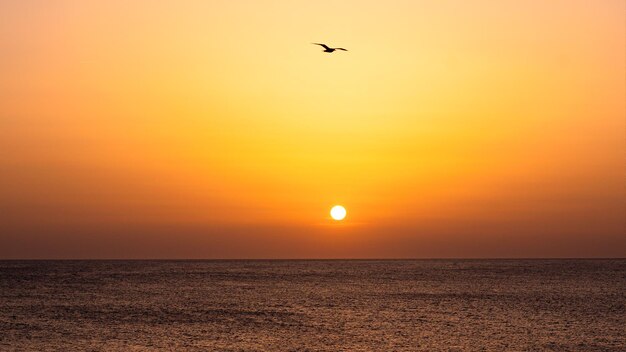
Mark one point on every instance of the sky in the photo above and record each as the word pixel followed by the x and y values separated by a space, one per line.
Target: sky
pixel 215 129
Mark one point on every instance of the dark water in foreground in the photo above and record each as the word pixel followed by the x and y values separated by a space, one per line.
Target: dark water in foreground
pixel 423 305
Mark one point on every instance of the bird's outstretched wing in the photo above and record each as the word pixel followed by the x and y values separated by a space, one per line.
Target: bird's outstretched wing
pixel 341 49
pixel 324 45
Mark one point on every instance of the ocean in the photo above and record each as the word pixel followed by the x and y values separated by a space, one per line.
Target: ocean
pixel 308 305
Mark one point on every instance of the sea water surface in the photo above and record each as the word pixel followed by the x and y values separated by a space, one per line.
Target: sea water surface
pixel 413 305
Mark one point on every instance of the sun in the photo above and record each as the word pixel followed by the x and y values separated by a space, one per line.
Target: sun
pixel 338 212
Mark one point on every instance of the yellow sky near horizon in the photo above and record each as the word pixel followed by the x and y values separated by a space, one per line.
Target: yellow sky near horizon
pixel 446 122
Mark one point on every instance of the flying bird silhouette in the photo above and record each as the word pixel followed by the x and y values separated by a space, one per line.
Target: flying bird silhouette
pixel 328 49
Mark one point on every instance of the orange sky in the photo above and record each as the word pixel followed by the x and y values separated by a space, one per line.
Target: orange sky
pixel 214 129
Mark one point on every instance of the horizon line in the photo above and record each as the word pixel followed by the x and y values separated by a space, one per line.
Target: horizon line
pixel 312 259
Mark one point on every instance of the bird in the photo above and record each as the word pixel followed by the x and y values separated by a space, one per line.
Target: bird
pixel 328 49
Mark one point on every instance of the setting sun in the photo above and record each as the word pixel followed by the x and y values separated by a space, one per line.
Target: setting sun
pixel 338 212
